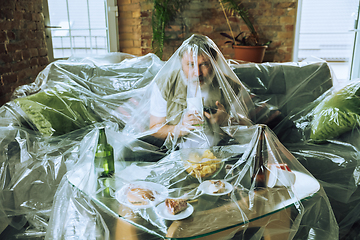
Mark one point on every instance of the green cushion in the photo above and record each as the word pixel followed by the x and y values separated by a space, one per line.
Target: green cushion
pixel 55 112
pixel 337 113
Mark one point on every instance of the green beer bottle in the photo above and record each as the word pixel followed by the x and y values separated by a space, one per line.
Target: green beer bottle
pixel 104 156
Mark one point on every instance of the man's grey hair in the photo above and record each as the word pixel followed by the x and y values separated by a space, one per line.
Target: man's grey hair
pixel 198 44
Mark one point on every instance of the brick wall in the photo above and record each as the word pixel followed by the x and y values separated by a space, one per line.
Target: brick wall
pixel 130 26
pixel 23 51
pixel 274 20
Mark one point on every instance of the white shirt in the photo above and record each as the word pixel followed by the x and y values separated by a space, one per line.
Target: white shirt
pixel 157 103
pixel 158 107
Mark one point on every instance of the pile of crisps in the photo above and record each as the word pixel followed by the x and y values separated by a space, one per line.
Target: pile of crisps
pixel 204 169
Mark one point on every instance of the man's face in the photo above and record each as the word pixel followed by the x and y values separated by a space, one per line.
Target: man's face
pixel 197 68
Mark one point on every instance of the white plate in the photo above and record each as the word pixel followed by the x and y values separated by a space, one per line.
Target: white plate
pixel 204 188
pixel 162 211
pixel 160 191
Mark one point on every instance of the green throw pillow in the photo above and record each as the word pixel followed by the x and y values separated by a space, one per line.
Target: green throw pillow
pixel 337 113
pixel 56 111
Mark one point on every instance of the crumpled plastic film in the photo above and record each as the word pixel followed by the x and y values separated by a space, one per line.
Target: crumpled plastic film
pixel 81 219
pixel 324 137
pixel 81 92
pixel 74 214
pixel 31 170
pixel 286 202
pixel 278 89
pixel 191 98
pixel 67 97
pixel 48 183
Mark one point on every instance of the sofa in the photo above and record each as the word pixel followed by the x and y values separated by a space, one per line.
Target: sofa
pixel 46 124
pixel 334 159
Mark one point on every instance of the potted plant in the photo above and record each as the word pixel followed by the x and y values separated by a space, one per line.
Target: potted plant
pixel 247 45
pixel 164 12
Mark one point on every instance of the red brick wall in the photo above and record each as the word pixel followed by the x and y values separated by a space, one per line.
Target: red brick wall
pixel 23 51
pixel 274 20
pixel 130 26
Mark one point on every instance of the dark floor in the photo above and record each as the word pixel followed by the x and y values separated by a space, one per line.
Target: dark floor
pixel 11 233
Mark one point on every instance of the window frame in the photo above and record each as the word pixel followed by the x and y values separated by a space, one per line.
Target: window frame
pixel 111 14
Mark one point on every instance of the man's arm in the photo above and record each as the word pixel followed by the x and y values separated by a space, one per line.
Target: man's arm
pixel 187 123
pixel 164 129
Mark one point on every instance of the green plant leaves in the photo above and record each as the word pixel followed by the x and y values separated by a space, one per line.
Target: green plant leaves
pixel 164 12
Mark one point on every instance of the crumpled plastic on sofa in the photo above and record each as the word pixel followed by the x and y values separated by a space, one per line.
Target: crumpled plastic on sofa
pixel 111 86
pixel 69 96
pixel 324 138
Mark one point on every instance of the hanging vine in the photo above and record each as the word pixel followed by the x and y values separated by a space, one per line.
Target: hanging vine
pixel 164 12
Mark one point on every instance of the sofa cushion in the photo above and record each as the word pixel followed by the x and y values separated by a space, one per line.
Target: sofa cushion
pixel 56 111
pixel 337 113
pixel 289 87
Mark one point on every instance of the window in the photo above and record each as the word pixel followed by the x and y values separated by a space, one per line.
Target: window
pixel 80 27
pixel 325 31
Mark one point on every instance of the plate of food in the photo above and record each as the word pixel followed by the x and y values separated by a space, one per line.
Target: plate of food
pixel 202 163
pixel 174 209
pixel 141 194
pixel 215 187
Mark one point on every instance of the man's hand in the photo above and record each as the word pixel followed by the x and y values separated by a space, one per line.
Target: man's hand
pixel 220 117
pixel 190 121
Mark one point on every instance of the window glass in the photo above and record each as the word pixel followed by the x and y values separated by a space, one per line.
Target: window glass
pixel 325 32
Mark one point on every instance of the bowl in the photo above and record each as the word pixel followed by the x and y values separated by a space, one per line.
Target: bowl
pixel 202 163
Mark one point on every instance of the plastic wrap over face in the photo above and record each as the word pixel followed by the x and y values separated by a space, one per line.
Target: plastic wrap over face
pixel 221 192
pixel 193 98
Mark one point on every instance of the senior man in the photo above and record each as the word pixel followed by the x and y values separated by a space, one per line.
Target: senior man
pixel 195 95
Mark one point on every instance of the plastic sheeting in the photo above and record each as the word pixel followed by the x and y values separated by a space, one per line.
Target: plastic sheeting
pixel 192 100
pixel 39 147
pixel 324 138
pixel 47 173
pixel 287 203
